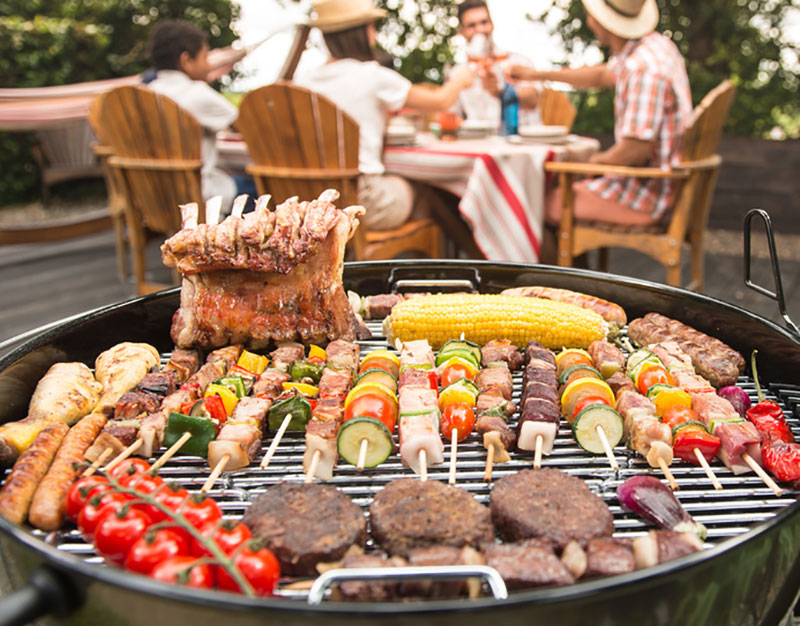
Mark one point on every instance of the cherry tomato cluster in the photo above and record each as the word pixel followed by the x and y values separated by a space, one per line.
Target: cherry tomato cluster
pixel 143 538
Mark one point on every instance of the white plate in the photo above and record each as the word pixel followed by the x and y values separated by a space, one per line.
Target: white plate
pixel 540 140
pixel 543 131
pixel 479 125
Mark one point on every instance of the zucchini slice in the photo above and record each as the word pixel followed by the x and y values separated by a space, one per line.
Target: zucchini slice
pixel 377 375
pixel 574 368
pixel 354 431
pixel 584 428
pixel 462 344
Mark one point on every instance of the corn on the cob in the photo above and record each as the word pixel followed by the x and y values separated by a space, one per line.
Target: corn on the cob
pixel 483 317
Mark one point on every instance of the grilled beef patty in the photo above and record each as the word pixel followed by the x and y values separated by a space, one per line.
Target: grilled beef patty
pixel 409 514
pixel 548 504
pixel 306 524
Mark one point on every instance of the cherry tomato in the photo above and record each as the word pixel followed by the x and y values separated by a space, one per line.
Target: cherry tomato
pixel 117 531
pixel 228 536
pixel 652 374
pixel 259 567
pixel 155 546
pixel 81 491
pixel 456 371
pixel 200 510
pixel 679 414
pixel 588 401
pixel 143 483
pixel 460 417
pixel 184 570
pixel 94 509
pixel 373 405
pixel 129 467
pixel 169 495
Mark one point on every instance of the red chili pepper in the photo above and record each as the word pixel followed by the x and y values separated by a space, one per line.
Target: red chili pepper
pixel 687 439
pixel 239 370
pixel 767 416
pixel 216 409
pixel 315 359
pixel 782 460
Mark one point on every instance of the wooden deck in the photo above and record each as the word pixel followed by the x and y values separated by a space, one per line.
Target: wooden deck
pixel 43 283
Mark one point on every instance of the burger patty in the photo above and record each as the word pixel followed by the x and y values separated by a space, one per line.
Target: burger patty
pixel 409 514
pixel 305 524
pixel 548 504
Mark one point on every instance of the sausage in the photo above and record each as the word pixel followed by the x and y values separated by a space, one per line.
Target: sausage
pixel 612 313
pixel 49 501
pixel 32 465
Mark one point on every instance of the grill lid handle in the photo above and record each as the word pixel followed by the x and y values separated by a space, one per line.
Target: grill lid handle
pixel 776 295
pixel 469 281
pixel 47 593
pixel 437 572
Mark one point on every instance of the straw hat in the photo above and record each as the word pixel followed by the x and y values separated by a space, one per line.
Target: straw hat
pixel 336 15
pixel 630 19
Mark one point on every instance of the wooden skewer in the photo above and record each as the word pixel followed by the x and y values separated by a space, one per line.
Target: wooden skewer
pixel 607 447
pixel 709 472
pixel 537 452
pixel 98 462
pixel 124 454
pixel 170 452
pixel 670 478
pixel 423 466
pixel 275 441
pixel 212 477
pixel 451 480
pixel 762 474
pixel 362 454
pixel 312 469
pixel 487 474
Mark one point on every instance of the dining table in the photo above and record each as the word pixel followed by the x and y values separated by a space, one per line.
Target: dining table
pixel 500 181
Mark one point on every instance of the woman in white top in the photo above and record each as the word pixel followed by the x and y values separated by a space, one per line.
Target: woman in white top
pixel 367 91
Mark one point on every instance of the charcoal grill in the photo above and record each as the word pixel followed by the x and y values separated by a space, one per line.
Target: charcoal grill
pixel 749 574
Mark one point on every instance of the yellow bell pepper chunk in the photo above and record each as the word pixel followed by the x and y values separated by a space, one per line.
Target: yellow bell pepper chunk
pixel 315 352
pixel 367 388
pixel 452 394
pixel 253 362
pixel 229 398
pixel 308 390
pixel 671 397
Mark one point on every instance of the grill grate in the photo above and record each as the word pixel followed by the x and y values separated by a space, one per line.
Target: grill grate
pixel 743 502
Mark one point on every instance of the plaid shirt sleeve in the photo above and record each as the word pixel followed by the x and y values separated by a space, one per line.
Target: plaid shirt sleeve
pixel 646 95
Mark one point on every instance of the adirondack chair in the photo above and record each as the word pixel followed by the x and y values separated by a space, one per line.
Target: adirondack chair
pixel 156 147
pixel 556 108
pixel 114 187
pixel 301 144
pixel 688 216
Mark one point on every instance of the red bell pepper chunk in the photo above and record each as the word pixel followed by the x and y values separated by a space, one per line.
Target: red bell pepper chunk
pixel 782 460
pixel 186 407
pixel 687 439
pixel 216 409
pixel 772 429
pixel 765 408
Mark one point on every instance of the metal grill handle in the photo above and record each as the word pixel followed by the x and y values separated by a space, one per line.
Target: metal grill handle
pixel 777 295
pixel 437 572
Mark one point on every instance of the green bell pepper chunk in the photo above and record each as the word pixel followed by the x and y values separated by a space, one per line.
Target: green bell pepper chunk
pixel 234 383
pixel 297 405
pixel 202 429
pixel 498 410
pixel 304 369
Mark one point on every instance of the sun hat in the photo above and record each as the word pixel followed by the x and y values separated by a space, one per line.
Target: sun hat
pixel 336 15
pixel 630 19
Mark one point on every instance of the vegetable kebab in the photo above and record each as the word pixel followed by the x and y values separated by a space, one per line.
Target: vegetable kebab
pixel 457 366
pixel 587 404
pixel 370 411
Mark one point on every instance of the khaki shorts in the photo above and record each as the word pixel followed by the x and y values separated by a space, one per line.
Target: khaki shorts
pixel 388 200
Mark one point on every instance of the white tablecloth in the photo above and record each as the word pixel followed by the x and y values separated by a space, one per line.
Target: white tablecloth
pixel 501 185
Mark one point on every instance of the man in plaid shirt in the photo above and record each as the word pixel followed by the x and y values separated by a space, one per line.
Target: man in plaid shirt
pixel 652 107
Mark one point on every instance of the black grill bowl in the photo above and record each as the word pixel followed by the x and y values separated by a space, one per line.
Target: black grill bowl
pixel 752 578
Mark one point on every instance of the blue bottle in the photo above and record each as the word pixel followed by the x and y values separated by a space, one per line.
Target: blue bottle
pixel 509 111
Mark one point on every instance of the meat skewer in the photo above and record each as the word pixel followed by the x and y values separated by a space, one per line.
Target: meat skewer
pixel 275 441
pixel 170 452
pixel 122 455
pixel 539 413
pixel 451 478
pixel 215 473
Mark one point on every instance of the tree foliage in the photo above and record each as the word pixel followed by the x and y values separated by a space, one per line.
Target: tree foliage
pixel 86 40
pixel 737 39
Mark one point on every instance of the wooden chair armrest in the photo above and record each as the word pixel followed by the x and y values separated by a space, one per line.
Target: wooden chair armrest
pixel 101 150
pixel 155 164
pixel 301 173
pixel 568 167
